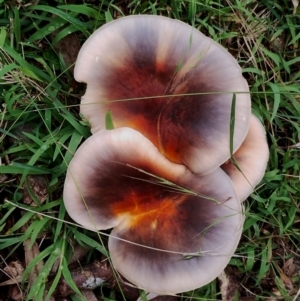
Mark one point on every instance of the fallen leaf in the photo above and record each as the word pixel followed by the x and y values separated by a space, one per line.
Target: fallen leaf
pixel 35 185
pixel 291 268
pixel 30 253
pixel 69 47
pixel 12 281
pixel 14 269
pixel 287 282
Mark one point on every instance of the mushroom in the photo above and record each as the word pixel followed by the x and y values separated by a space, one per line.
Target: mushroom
pixel 173 231
pixel 251 160
pixel 168 81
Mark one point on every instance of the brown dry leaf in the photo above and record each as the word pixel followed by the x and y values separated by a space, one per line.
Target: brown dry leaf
pixel 14 269
pixel 14 293
pixel 30 253
pixel 36 185
pixel 12 281
pixel 287 282
pixel 291 268
pixel 229 287
pixel 69 47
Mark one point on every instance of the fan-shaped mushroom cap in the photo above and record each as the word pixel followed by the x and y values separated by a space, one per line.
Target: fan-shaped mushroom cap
pixel 94 173
pixel 168 81
pixel 166 239
pixel 252 158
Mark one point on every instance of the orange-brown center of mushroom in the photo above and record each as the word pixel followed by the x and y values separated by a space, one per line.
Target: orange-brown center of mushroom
pixel 140 124
pixel 147 210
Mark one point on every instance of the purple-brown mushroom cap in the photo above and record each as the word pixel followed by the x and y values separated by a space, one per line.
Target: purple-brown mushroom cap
pixel 168 81
pixel 173 231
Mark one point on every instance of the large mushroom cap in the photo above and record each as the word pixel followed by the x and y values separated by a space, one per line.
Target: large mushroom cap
pixel 168 81
pixel 167 238
pixel 251 159
pixel 96 170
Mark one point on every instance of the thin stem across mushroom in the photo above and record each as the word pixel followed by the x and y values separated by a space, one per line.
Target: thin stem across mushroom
pixel 156 178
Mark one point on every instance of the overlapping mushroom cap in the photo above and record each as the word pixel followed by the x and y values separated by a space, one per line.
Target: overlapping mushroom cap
pixel 156 178
pixel 167 238
pixel 168 81
pixel 250 160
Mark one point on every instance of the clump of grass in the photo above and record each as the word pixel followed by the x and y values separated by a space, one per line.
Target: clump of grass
pixel 40 130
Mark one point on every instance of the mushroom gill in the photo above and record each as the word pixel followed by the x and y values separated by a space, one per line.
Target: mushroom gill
pixel 168 81
pixel 181 225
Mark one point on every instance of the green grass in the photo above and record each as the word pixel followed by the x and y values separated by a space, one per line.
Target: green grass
pixel 40 130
